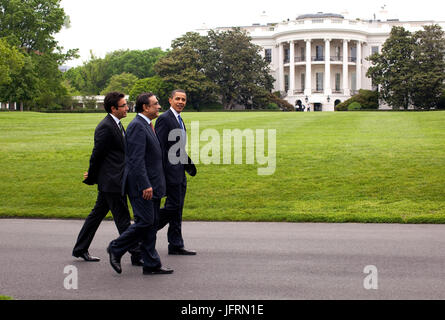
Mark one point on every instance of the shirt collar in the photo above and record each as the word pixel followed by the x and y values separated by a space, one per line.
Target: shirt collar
pixel 145 118
pixel 175 113
pixel 115 119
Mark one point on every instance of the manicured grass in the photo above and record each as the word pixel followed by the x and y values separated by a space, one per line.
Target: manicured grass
pixel 5 298
pixel 331 167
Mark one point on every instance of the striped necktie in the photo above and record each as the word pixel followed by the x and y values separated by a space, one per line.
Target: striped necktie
pixel 122 129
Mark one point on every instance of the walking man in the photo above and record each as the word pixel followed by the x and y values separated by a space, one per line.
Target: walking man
pixel 106 169
pixel 175 170
pixel 145 183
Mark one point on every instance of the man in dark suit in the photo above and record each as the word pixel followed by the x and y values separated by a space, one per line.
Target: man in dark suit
pixel 144 181
pixel 106 169
pixel 176 163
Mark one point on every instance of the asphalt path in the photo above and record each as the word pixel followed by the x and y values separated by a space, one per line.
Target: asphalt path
pixel 235 260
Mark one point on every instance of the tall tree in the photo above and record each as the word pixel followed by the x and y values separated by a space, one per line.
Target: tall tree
pixel 153 84
pixel 30 26
pixel 24 85
pixel 392 69
pixel 429 68
pixel 235 65
pixel 11 61
pixel 120 82
pixel 184 67
pixel 94 75
pixel 137 62
pixel 223 63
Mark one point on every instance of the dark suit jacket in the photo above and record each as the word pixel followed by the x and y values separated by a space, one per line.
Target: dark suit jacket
pixel 174 173
pixel 107 160
pixel 143 167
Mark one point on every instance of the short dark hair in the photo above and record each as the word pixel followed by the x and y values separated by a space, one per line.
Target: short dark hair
pixel 112 100
pixel 143 98
pixel 172 94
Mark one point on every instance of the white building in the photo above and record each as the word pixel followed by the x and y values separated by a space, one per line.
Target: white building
pixel 329 48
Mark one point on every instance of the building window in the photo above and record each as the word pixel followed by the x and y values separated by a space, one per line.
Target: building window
pixel 319 81
pixel 337 54
pixel 319 53
pixel 337 82
pixel 303 54
pixel 353 57
pixel 286 82
pixel 303 82
pixel 374 49
pixel 286 55
pixel 268 55
pixel 353 81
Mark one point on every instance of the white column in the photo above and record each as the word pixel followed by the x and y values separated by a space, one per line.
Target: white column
pixel 7 105
pixel 359 65
pixel 15 105
pixel 345 68
pixel 291 68
pixel 281 67
pixel 308 86
pixel 327 67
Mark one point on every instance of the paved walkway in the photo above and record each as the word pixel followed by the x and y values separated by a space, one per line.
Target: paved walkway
pixel 235 261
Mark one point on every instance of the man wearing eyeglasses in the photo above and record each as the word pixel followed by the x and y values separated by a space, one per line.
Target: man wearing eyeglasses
pixel 107 163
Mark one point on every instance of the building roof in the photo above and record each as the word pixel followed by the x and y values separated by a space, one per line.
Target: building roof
pixel 320 15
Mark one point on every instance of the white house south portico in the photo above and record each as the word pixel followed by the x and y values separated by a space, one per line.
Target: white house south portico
pixel 322 58
pixel 334 66
pixel 319 60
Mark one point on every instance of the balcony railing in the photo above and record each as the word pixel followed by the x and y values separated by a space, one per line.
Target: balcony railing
pixel 317 58
pixel 321 59
pixel 317 91
pixel 352 59
pixel 299 91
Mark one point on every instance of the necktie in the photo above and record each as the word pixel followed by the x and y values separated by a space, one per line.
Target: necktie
pixel 184 135
pixel 180 122
pixel 122 129
pixel 152 128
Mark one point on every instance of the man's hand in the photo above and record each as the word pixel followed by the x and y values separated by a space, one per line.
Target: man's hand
pixel 85 175
pixel 147 194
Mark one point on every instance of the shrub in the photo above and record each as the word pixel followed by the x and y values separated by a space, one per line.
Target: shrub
pixel 366 98
pixel 354 106
pixel 271 106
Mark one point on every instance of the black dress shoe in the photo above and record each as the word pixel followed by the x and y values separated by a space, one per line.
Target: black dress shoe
pixel 158 270
pixel 181 252
pixel 137 261
pixel 114 261
pixel 86 256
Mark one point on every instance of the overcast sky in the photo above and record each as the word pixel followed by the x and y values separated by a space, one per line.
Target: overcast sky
pixel 107 25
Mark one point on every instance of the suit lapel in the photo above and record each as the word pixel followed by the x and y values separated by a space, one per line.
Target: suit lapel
pixel 148 129
pixel 175 120
pixel 117 131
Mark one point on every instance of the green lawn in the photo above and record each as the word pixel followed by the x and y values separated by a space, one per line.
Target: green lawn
pixel 331 167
